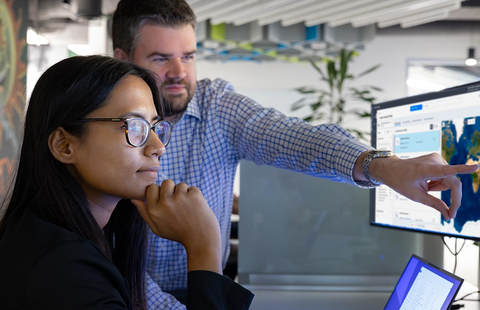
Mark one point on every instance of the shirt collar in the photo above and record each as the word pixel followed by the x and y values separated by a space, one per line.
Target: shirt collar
pixel 193 108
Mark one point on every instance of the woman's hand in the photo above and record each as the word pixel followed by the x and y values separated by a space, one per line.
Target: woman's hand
pixel 181 213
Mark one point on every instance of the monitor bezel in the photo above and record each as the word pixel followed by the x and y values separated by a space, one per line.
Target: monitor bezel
pixel 448 92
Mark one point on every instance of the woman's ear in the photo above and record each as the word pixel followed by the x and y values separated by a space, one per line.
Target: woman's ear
pixel 61 144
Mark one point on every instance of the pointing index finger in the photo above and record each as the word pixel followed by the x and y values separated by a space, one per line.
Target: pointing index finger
pixel 450 170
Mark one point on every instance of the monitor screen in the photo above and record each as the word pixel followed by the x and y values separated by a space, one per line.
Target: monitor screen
pixel 446 122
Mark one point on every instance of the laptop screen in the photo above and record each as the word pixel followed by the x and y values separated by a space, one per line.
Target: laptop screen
pixel 424 286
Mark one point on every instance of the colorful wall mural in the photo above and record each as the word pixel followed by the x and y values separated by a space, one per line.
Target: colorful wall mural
pixel 13 59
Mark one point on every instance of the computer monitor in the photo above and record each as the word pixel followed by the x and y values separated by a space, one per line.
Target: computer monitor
pixel 446 122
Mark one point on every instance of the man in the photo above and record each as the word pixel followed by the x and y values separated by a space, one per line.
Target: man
pixel 216 127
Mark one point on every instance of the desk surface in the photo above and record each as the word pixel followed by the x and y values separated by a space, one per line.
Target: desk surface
pixel 268 299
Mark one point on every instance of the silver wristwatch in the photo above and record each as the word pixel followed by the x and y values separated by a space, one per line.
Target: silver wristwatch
pixel 368 159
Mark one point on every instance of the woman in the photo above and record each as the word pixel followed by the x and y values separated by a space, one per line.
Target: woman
pixel 70 237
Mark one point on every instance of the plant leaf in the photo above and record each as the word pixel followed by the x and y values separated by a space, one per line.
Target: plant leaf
pixel 368 71
pixel 323 93
pixel 298 104
pixel 332 73
pixel 307 91
pixel 374 88
pixel 359 92
pixel 308 119
pixel 332 103
pixel 323 76
pixel 354 90
pixel 359 113
pixel 319 116
pixel 316 105
pixel 344 59
pixel 369 99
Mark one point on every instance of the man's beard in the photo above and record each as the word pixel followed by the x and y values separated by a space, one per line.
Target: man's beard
pixel 176 103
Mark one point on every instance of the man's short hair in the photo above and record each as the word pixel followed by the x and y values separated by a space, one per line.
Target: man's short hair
pixel 131 15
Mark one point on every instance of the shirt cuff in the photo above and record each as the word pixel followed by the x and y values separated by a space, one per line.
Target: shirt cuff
pixel 347 155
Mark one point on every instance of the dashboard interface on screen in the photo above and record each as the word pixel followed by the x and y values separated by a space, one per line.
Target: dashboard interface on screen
pixel 445 122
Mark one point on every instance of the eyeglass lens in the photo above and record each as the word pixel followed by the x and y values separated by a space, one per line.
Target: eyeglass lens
pixel 164 131
pixel 138 131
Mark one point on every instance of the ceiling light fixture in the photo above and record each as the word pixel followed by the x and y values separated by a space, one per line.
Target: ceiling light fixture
pixel 471 61
pixel 33 38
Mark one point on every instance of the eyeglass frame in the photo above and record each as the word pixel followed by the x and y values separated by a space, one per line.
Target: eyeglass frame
pixel 124 120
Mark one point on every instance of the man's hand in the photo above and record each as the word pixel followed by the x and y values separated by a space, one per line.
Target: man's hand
pixel 415 177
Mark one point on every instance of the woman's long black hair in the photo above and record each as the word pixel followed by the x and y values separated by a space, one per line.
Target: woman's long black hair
pixel 67 91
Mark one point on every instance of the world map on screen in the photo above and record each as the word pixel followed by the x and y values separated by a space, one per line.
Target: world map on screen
pixel 461 145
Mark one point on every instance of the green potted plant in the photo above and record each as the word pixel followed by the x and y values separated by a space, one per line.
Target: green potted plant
pixel 330 103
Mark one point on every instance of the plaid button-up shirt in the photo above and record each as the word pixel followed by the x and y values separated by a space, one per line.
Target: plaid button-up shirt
pixel 219 128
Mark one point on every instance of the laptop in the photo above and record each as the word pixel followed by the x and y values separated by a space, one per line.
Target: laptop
pixel 424 286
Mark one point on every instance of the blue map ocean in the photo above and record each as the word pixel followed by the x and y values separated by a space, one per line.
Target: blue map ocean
pixel 459 151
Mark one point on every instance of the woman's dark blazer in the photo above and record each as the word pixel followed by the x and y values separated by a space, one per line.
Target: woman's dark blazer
pixel 43 266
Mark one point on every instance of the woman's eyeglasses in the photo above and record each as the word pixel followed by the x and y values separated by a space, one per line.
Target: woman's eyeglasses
pixel 137 130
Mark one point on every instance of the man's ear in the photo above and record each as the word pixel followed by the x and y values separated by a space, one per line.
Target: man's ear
pixel 118 53
pixel 61 145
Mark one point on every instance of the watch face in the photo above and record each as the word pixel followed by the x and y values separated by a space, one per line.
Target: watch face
pixel 381 153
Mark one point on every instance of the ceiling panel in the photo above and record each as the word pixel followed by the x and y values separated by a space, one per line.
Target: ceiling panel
pixel 272 29
pixel 358 13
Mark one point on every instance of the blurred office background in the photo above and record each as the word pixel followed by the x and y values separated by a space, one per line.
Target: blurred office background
pixel 262 48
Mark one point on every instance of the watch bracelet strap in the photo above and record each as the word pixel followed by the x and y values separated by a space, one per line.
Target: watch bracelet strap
pixel 366 165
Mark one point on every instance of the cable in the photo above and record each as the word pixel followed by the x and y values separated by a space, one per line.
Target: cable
pixel 456 252
pixel 465 296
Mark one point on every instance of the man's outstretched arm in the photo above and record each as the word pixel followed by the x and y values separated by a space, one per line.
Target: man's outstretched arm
pixel 415 177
